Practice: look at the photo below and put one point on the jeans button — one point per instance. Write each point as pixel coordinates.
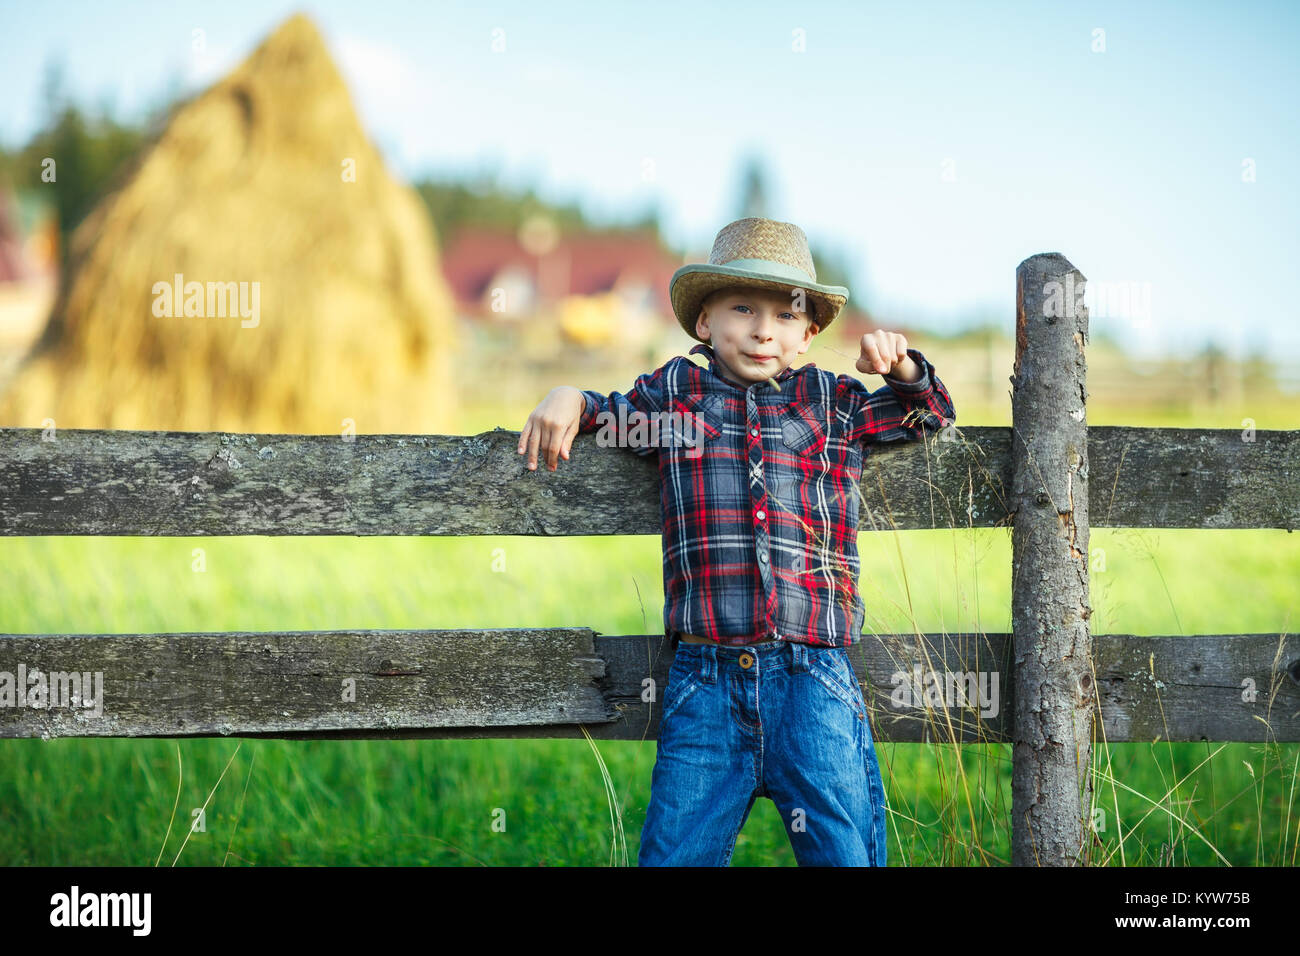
(746, 661)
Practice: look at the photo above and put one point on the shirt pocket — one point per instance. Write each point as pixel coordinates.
(803, 429)
(694, 421)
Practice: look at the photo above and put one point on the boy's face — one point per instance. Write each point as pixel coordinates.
(755, 333)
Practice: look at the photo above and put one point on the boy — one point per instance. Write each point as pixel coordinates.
(758, 466)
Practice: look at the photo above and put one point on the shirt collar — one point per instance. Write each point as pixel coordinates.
(707, 351)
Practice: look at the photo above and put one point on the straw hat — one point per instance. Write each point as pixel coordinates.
(761, 253)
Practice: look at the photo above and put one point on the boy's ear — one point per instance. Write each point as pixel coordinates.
(808, 334)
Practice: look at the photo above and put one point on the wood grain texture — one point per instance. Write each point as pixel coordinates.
(1051, 783)
(89, 482)
(208, 684)
(546, 683)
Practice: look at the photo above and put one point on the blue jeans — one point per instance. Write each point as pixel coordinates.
(780, 720)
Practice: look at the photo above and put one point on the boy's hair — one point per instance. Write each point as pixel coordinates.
(810, 309)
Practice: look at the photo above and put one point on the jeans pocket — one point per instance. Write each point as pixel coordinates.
(831, 668)
(683, 681)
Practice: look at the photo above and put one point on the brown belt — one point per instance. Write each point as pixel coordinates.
(696, 639)
(693, 639)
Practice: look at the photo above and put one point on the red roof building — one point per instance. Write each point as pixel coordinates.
(495, 277)
(492, 273)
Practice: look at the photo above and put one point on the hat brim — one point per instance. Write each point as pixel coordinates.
(691, 284)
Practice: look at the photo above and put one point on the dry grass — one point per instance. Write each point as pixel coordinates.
(246, 184)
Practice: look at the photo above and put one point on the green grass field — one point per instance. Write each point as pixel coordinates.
(112, 802)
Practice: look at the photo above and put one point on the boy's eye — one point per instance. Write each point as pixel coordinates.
(783, 314)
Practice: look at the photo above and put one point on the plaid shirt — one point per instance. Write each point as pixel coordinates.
(758, 490)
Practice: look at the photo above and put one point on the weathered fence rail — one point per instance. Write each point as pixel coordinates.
(88, 482)
(1049, 478)
(545, 682)
(453, 683)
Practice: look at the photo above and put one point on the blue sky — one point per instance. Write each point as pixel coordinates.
(933, 145)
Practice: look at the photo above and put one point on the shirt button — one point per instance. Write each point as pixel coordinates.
(760, 515)
(754, 432)
(762, 557)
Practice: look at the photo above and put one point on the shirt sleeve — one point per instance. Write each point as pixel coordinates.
(899, 410)
(618, 412)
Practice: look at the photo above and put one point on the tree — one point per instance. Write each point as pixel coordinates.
(74, 158)
(753, 189)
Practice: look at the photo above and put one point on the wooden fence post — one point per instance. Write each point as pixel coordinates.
(1051, 784)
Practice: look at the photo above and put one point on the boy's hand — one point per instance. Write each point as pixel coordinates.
(885, 353)
(552, 425)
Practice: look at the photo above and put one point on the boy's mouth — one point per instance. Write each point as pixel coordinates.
(759, 358)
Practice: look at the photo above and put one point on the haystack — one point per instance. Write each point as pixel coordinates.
(265, 185)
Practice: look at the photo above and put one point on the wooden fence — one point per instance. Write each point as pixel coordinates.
(1048, 478)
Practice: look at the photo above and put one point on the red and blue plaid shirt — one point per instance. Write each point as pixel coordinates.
(758, 490)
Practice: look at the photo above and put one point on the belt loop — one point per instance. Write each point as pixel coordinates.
(709, 663)
(799, 655)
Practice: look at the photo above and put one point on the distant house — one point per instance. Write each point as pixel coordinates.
(28, 253)
(600, 287)
(493, 275)
(15, 260)
(593, 283)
